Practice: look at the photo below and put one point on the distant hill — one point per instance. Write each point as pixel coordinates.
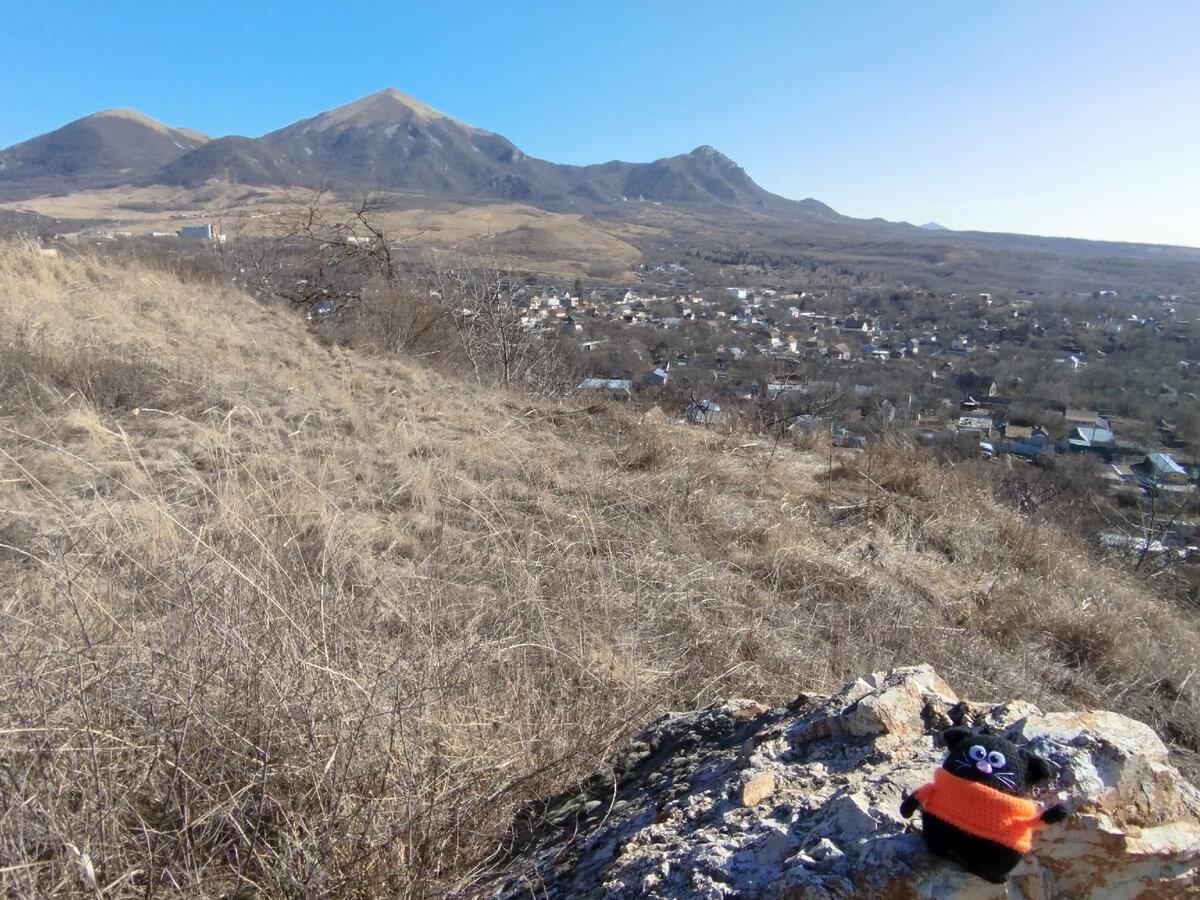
(703, 176)
(237, 160)
(101, 150)
(391, 142)
(386, 140)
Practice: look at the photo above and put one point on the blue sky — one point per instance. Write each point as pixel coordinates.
(1053, 117)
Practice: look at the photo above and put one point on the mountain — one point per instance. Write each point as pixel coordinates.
(386, 140)
(390, 140)
(704, 176)
(101, 150)
(233, 159)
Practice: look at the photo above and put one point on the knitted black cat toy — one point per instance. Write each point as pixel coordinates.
(972, 811)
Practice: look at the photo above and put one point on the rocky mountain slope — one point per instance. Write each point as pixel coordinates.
(738, 800)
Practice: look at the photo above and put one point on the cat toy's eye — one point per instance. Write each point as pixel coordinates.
(996, 759)
(977, 753)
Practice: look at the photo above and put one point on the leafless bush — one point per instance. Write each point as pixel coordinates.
(359, 282)
(499, 338)
(395, 318)
(321, 250)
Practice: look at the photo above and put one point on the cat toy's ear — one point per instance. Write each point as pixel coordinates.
(952, 737)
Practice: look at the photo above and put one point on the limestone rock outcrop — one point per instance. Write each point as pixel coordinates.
(803, 802)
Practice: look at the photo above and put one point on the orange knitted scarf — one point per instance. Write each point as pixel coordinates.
(980, 810)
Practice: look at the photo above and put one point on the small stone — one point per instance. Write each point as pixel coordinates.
(895, 710)
(848, 817)
(748, 712)
(758, 788)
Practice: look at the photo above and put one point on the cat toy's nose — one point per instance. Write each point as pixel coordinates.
(983, 767)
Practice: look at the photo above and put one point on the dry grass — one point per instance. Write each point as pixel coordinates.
(282, 620)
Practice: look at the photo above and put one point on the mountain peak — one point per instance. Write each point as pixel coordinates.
(128, 115)
(108, 118)
(711, 154)
(386, 107)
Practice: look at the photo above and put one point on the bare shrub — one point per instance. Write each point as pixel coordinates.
(396, 318)
(360, 283)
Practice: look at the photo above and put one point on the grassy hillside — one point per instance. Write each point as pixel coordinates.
(283, 620)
